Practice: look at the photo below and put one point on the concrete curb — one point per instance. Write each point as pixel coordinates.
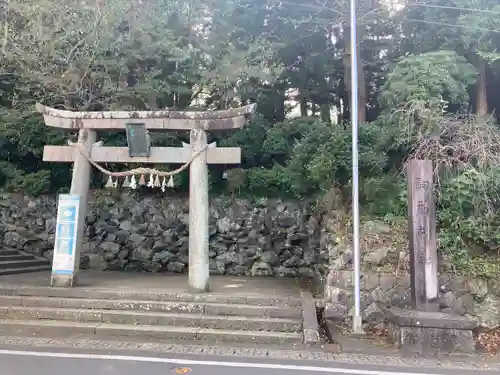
(310, 324)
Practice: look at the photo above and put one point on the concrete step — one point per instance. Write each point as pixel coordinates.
(16, 257)
(147, 295)
(13, 271)
(57, 328)
(23, 263)
(221, 309)
(9, 252)
(196, 320)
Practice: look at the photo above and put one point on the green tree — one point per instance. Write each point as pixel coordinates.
(466, 27)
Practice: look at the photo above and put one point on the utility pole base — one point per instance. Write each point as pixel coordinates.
(357, 326)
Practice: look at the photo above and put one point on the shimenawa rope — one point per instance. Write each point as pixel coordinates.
(136, 171)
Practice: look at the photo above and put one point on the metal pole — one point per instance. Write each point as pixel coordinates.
(357, 324)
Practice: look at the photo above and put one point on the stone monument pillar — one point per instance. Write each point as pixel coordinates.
(423, 329)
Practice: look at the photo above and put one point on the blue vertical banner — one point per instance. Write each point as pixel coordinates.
(66, 232)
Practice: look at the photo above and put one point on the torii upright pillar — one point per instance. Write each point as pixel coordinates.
(198, 123)
(198, 214)
(80, 184)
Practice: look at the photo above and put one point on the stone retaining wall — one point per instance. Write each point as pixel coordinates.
(126, 232)
(476, 299)
(262, 238)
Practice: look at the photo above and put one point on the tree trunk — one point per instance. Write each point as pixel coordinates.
(4, 23)
(314, 109)
(481, 94)
(152, 101)
(280, 112)
(5, 37)
(361, 76)
(325, 113)
(361, 92)
(303, 106)
(344, 105)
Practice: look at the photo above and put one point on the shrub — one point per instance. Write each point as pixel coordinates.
(250, 139)
(15, 180)
(469, 212)
(269, 182)
(324, 157)
(281, 139)
(384, 196)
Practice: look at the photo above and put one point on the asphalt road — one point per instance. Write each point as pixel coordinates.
(49, 363)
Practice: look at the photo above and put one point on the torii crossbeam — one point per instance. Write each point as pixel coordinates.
(197, 122)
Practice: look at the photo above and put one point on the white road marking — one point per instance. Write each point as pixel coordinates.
(178, 361)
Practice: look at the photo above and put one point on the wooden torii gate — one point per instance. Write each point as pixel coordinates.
(201, 154)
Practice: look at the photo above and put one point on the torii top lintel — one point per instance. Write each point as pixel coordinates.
(153, 120)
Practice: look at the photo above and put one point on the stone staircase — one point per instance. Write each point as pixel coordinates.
(13, 261)
(51, 312)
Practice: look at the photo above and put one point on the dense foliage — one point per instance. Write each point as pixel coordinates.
(428, 86)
